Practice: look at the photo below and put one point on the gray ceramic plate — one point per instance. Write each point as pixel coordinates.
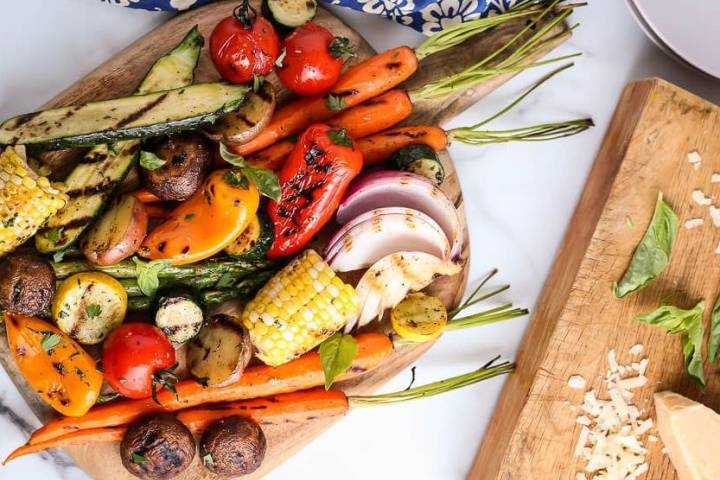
(687, 30)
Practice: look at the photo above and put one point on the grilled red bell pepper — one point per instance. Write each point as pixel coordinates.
(313, 180)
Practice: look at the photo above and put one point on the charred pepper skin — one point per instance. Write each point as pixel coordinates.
(313, 181)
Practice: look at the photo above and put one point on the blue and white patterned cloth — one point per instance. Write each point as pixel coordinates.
(426, 16)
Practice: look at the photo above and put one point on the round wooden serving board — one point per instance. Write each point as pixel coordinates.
(120, 75)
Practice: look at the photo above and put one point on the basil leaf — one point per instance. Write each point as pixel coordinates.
(92, 310)
(688, 324)
(265, 180)
(258, 81)
(138, 459)
(281, 58)
(147, 275)
(231, 158)
(336, 356)
(49, 341)
(340, 137)
(335, 103)
(653, 253)
(714, 340)
(150, 161)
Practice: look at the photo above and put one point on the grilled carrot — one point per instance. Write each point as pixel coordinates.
(371, 116)
(365, 80)
(146, 196)
(294, 407)
(80, 437)
(380, 147)
(301, 373)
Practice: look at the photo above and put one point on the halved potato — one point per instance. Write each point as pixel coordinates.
(118, 233)
(248, 121)
(220, 352)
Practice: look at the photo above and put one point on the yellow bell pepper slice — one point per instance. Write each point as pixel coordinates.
(207, 222)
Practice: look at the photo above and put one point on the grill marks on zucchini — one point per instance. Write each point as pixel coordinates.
(103, 168)
(137, 116)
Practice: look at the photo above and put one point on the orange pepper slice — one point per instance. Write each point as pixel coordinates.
(207, 222)
(59, 370)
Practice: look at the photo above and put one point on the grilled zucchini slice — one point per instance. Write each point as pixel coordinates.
(289, 14)
(136, 116)
(421, 160)
(255, 241)
(419, 318)
(88, 306)
(179, 316)
(220, 352)
(105, 167)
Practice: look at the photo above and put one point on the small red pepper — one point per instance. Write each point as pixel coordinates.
(313, 180)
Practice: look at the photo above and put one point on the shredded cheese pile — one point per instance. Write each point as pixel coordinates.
(610, 441)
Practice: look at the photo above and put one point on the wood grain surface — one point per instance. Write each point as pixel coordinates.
(578, 320)
(120, 75)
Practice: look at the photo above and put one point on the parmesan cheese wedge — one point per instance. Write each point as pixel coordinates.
(689, 431)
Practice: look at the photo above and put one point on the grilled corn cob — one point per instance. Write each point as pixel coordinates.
(26, 200)
(302, 305)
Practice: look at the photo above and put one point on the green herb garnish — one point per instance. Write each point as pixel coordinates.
(147, 275)
(688, 324)
(336, 356)
(138, 459)
(49, 341)
(54, 234)
(340, 137)
(93, 310)
(265, 180)
(335, 102)
(340, 47)
(150, 161)
(208, 459)
(653, 253)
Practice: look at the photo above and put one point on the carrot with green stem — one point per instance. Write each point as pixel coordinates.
(385, 71)
(515, 55)
(371, 116)
(304, 372)
(295, 407)
(378, 147)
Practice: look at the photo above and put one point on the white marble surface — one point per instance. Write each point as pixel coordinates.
(519, 198)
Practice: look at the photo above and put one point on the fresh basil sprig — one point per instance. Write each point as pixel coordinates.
(714, 340)
(265, 180)
(336, 356)
(688, 324)
(147, 275)
(653, 253)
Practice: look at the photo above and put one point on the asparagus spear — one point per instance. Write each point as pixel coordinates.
(126, 268)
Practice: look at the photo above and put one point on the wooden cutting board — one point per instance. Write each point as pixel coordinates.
(120, 75)
(578, 320)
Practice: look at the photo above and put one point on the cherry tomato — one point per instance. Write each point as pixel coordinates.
(313, 60)
(244, 45)
(133, 355)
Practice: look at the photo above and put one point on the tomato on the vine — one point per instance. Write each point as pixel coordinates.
(137, 358)
(313, 60)
(244, 45)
